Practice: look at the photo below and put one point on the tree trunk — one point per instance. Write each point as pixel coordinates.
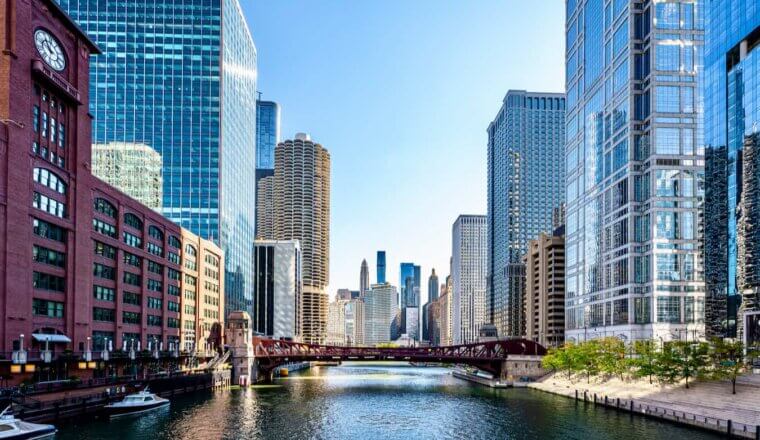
(733, 385)
(687, 382)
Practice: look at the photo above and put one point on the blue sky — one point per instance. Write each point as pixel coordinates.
(401, 94)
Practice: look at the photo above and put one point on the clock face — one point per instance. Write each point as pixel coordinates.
(49, 49)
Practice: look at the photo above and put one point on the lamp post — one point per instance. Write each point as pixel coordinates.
(88, 352)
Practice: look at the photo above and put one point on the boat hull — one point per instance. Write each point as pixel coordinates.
(35, 435)
(124, 411)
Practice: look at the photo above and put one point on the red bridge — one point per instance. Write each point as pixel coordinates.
(506, 359)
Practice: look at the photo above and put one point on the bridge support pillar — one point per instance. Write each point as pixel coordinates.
(518, 367)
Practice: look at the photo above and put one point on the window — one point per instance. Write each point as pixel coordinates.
(130, 318)
(133, 221)
(132, 240)
(172, 323)
(155, 285)
(48, 230)
(51, 309)
(667, 267)
(190, 250)
(101, 340)
(642, 310)
(155, 267)
(45, 281)
(189, 280)
(175, 242)
(105, 207)
(667, 141)
(104, 228)
(105, 250)
(172, 306)
(173, 290)
(102, 293)
(131, 259)
(51, 206)
(173, 274)
(132, 279)
(190, 310)
(48, 256)
(155, 303)
(132, 298)
(668, 56)
(155, 321)
(173, 257)
(669, 309)
(667, 15)
(155, 249)
(103, 271)
(47, 178)
(668, 100)
(156, 233)
(101, 314)
(36, 118)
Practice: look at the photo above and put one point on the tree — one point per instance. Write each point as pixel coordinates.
(611, 357)
(666, 364)
(645, 360)
(587, 358)
(728, 360)
(691, 359)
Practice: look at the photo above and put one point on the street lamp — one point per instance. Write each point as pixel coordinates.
(88, 353)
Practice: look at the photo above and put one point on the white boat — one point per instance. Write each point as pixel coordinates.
(137, 403)
(12, 428)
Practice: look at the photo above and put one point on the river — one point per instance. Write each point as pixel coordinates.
(378, 401)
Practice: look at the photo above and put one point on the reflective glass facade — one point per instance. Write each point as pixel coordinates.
(635, 169)
(732, 116)
(168, 71)
(267, 133)
(525, 183)
(380, 267)
(409, 282)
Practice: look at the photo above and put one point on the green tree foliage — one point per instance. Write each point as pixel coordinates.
(611, 357)
(728, 360)
(644, 361)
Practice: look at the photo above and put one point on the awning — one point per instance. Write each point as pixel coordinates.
(41, 337)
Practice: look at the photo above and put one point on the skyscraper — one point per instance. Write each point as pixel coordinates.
(267, 137)
(634, 169)
(732, 196)
(168, 72)
(377, 312)
(469, 268)
(302, 212)
(432, 286)
(133, 168)
(277, 288)
(380, 267)
(525, 183)
(409, 282)
(363, 278)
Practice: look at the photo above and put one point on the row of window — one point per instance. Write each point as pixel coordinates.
(48, 256)
(46, 204)
(109, 315)
(51, 309)
(106, 208)
(47, 178)
(49, 231)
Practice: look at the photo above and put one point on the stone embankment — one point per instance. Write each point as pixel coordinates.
(706, 405)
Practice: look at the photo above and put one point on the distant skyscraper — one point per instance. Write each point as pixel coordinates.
(525, 182)
(732, 166)
(363, 278)
(336, 323)
(634, 174)
(380, 267)
(432, 286)
(302, 212)
(377, 312)
(344, 294)
(354, 313)
(470, 258)
(410, 285)
(133, 168)
(267, 138)
(277, 288)
(168, 72)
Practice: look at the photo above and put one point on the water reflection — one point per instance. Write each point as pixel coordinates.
(369, 401)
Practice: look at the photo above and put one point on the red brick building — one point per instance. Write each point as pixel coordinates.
(81, 263)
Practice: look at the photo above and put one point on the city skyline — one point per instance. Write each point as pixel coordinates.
(432, 162)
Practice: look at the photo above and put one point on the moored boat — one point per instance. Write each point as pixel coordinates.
(137, 403)
(12, 428)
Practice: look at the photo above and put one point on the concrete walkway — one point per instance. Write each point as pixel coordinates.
(704, 399)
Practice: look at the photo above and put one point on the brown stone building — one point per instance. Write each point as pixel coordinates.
(545, 289)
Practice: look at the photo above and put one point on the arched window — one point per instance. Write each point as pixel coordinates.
(47, 178)
(190, 250)
(175, 242)
(103, 206)
(133, 221)
(155, 233)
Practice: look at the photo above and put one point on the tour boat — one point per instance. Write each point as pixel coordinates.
(136, 403)
(12, 428)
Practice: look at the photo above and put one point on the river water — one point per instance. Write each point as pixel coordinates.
(378, 401)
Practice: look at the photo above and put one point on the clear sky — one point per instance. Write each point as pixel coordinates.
(401, 94)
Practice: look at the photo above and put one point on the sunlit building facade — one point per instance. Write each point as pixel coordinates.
(468, 274)
(634, 169)
(134, 168)
(525, 183)
(732, 196)
(168, 72)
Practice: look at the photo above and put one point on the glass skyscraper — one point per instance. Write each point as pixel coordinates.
(525, 184)
(732, 196)
(380, 267)
(267, 133)
(409, 284)
(634, 169)
(168, 72)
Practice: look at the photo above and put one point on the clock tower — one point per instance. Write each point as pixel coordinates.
(44, 146)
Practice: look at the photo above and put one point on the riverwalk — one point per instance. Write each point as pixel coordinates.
(708, 405)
